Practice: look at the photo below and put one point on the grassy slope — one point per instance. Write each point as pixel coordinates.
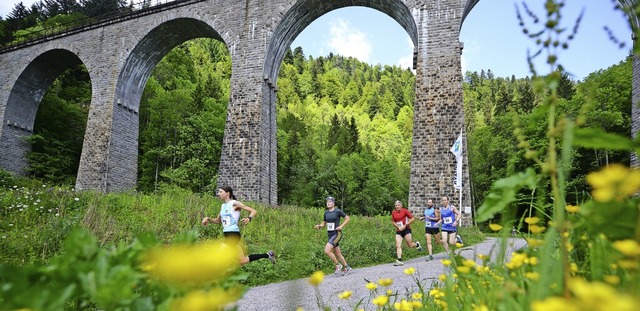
(48, 214)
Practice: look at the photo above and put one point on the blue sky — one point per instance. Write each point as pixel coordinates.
(491, 36)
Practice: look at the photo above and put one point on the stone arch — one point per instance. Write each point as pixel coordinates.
(122, 159)
(294, 21)
(23, 103)
(304, 12)
(150, 50)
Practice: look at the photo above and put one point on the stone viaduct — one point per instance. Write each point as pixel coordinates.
(120, 54)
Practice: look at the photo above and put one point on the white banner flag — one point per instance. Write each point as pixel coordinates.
(457, 151)
(457, 183)
(457, 147)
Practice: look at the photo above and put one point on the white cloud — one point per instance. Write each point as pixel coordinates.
(347, 40)
(407, 60)
(471, 48)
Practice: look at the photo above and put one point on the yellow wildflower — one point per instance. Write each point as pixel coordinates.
(191, 264)
(371, 286)
(612, 279)
(469, 263)
(436, 293)
(417, 304)
(573, 267)
(442, 304)
(389, 292)
(532, 220)
(628, 264)
(446, 262)
(569, 246)
(463, 269)
(554, 304)
(403, 305)
(495, 227)
(385, 282)
(316, 278)
(442, 277)
(300, 309)
(483, 256)
(214, 299)
(416, 296)
(517, 260)
(482, 269)
(572, 208)
(534, 276)
(600, 296)
(532, 261)
(380, 301)
(481, 307)
(535, 229)
(345, 295)
(409, 271)
(534, 242)
(614, 182)
(629, 248)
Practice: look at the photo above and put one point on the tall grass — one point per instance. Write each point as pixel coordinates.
(33, 233)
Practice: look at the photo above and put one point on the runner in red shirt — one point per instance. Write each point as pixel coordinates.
(401, 219)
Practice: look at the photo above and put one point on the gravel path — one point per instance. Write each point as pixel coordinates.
(289, 295)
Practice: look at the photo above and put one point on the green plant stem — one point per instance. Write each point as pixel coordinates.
(552, 163)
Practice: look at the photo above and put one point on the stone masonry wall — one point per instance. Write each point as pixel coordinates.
(438, 109)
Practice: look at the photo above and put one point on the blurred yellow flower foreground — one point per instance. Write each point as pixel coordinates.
(191, 264)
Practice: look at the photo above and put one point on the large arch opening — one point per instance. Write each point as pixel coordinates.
(45, 118)
(344, 126)
(170, 108)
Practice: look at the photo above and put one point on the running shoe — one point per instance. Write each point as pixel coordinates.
(398, 263)
(418, 246)
(338, 269)
(430, 257)
(272, 256)
(346, 271)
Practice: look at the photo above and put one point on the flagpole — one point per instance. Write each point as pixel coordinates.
(461, 174)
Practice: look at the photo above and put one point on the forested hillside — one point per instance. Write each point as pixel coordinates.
(344, 127)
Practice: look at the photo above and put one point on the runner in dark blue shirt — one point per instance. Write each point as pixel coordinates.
(334, 232)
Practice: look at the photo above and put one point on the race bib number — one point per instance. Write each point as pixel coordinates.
(428, 223)
(331, 226)
(399, 224)
(447, 220)
(226, 220)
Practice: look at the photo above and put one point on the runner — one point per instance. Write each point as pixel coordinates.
(402, 219)
(229, 217)
(334, 231)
